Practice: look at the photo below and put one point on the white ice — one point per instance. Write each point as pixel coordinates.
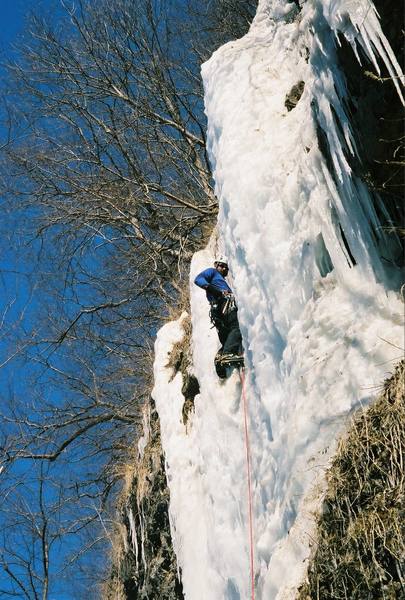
(320, 333)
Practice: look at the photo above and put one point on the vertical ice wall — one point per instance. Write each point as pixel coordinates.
(320, 328)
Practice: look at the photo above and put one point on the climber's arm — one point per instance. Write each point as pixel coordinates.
(203, 280)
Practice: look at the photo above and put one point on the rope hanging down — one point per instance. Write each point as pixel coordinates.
(249, 482)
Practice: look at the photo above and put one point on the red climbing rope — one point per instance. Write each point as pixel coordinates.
(249, 482)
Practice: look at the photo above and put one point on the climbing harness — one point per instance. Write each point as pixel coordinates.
(220, 308)
(249, 482)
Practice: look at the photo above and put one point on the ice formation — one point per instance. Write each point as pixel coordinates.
(320, 324)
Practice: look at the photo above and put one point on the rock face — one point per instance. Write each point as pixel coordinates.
(294, 96)
(147, 566)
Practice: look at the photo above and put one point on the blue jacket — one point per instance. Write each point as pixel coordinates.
(213, 280)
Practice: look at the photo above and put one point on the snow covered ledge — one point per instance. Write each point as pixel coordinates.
(320, 334)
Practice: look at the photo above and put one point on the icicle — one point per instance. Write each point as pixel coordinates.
(360, 25)
(143, 440)
(134, 540)
(142, 532)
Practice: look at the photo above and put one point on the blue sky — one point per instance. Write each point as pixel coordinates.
(13, 287)
(12, 14)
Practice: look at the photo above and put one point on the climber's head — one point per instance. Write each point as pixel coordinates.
(221, 264)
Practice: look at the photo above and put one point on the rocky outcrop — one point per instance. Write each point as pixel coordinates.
(145, 566)
(293, 97)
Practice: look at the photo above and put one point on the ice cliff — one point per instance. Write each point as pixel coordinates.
(319, 307)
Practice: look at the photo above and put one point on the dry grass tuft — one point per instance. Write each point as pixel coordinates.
(113, 590)
(180, 357)
(360, 552)
(180, 360)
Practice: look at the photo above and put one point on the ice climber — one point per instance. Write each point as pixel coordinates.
(223, 311)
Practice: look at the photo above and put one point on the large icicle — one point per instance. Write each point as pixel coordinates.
(320, 328)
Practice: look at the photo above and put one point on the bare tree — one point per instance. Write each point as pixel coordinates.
(37, 513)
(115, 141)
(105, 171)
